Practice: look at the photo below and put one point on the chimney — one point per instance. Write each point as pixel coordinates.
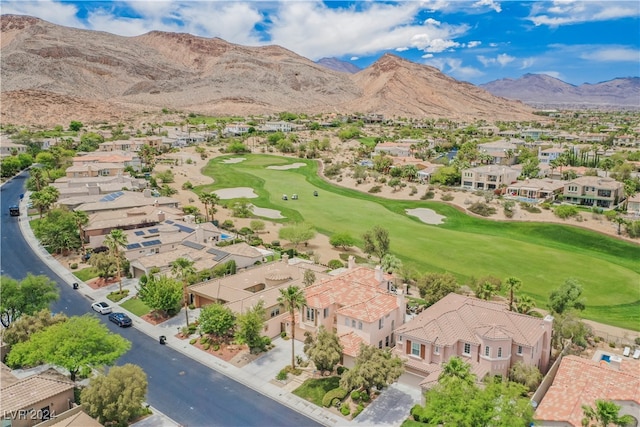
(155, 203)
(199, 234)
(161, 216)
(146, 192)
(285, 258)
(402, 303)
(378, 271)
(351, 262)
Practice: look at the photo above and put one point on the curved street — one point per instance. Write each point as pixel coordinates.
(184, 389)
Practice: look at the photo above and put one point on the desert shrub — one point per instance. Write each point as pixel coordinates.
(73, 266)
(633, 229)
(187, 185)
(530, 208)
(509, 206)
(345, 410)
(355, 395)
(282, 375)
(382, 180)
(333, 170)
(637, 341)
(565, 211)
(375, 189)
(446, 197)
(546, 206)
(205, 340)
(334, 264)
(428, 195)
(192, 341)
(611, 214)
(336, 393)
(482, 209)
(215, 347)
(612, 344)
(359, 409)
(414, 190)
(206, 346)
(275, 243)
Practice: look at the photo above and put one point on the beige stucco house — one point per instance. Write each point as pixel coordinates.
(535, 189)
(594, 191)
(488, 178)
(484, 334)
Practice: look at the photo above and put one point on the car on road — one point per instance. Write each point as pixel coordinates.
(101, 307)
(120, 319)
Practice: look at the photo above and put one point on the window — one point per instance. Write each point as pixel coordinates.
(520, 350)
(311, 314)
(380, 344)
(275, 311)
(326, 313)
(436, 349)
(360, 325)
(415, 348)
(467, 348)
(353, 323)
(499, 351)
(386, 341)
(381, 323)
(486, 350)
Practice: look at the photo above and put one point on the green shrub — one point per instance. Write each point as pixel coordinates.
(275, 243)
(206, 346)
(565, 211)
(637, 341)
(546, 206)
(340, 370)
(334, 264)
(418, 413)
(192, 341)
(365, 397)
(345, 410)
(375, 189)
(359, 409)
(216, 347)
(355, 395)
(117, 296)
(633, 229)
(428, 195)
(446, 197)
(336, 393)
(282, 375)
(74, 266)
(482, 209)
(530, 208)
(205, 340)
(612, 344)
(283, 334)
(414, 190)
(187, 186)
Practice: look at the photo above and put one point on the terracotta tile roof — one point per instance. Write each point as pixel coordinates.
(30, 391)
(357, 293)
(458, 318)
(581, 382)
(351, 343)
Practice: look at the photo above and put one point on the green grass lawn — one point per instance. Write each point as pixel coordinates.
(86, 274)
(313, 390)
(135, 306)
(542, 255)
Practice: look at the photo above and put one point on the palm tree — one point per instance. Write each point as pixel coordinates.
(525, 304)
(293, 300)
(38, 178)
(204, 199)
(485, 291)
(513, 284)
(115, 241)
(81, 218)
(456, 368)
(604, 414)
(183, 268)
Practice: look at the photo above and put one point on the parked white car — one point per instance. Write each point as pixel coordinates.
(101, 307)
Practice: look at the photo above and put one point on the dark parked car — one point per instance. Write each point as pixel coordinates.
(120, 319)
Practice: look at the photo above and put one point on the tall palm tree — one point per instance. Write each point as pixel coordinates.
(81, 218)
(604, 414)
(525, 304)
(115, 241)
(513, 284)
(293, 299)
(183, 268)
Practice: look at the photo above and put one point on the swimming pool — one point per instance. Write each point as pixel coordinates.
(224, 237)
(606, 358)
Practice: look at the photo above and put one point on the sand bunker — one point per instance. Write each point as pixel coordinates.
(235, 193)
(267, 213)
(426, 215)
(285, 167)
(234, 160)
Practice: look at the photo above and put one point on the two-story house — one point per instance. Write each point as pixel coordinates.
(594, 191)
(550, 154)
(488, 178)
(399, 149)
(534, 190)
(484, 334)
(361, 305)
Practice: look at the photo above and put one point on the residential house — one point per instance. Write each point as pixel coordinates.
(534, 190)
(482, 333)
(9, 148)
(550, 154)
(28, 401)
(362, 305)
(95, 169)
(399, 149)
(489, 178)
(131, 145)
(123, 158)
(236, 129)
(594, 191)
(243, 290)
(633, 205)
(582, 381)
(501, 152)
(280, 126)
(95, 185)
(116, 201)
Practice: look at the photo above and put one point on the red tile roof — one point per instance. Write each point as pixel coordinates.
(581, 382)
(351, 343)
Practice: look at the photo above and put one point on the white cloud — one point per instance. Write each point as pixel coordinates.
(501, 59)
(427, 55)
(490, 3)
(56, 13)
(402, 49)
(473, 44)
(454, 67)
(354, 58)
(614, 54)
(566, 12)
(527, 62)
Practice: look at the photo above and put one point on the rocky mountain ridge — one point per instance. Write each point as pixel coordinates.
(52, 74)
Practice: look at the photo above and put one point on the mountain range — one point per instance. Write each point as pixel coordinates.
(52, 74)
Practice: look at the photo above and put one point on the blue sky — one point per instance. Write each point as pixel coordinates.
(475, 41)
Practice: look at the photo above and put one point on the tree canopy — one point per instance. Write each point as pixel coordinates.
(567, 297)
(435, 286)
(377, 242)
(30, 295)
(374, 367)
(80, 342)
(297, 233)
(325, 351)
(342, 240)
(249, 327)
(217, 320)
(163, 294)
(118, 397)
(28, 324)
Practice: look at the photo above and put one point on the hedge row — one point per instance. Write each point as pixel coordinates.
(336, 393)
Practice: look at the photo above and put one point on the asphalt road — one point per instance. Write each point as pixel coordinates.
(183, 389)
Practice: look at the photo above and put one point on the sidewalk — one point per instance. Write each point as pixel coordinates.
(389, 409)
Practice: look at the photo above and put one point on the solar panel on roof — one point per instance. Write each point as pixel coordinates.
(193, 245)
(133, 246)
(139, 233)
(112, 196)
(169, 221)
(154, 230)
(151, 243)
(184, 228)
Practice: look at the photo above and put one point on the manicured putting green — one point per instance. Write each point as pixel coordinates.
(541, 255)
